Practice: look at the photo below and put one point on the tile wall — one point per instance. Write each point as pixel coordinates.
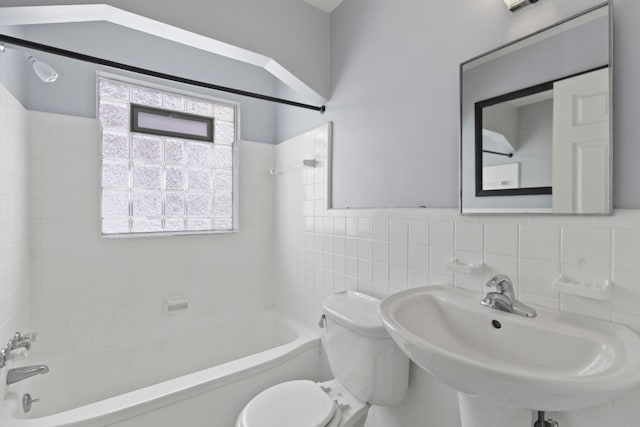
(379, 252)
(87, 290)
(14, 233)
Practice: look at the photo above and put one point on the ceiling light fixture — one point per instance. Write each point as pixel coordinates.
(44, 71)
(514, 5)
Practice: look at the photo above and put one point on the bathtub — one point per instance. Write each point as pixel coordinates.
(190, 376)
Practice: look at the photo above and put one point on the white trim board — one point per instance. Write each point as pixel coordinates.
(33, 15)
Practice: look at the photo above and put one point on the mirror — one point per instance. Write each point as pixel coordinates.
(536, 122)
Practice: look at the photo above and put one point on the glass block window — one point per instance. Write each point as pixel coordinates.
(176, 178)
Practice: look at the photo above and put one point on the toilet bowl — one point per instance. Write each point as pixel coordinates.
(369, 369)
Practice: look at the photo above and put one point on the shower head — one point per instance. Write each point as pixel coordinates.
(44, 71)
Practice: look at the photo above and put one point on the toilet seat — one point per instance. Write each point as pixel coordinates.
(291, 404)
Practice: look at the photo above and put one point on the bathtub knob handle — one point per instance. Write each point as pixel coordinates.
(27, 401)
(322, 322)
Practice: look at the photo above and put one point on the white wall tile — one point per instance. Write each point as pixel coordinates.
(438, 258)
(540, 242)
(418, 232)
(398, 277)
(398, 252)
(626, 249)
(365, 249)
(340, 226)
(626, 292)
(381, 273)
(381, 251)
(586, 246)
(70, 250)
(536, 276)
(473, 282)
(501, 239)
(351, 266)
(365, 228)
(469, 236)
(15, 217)
(417, 278)
(441, 234)
(365, 270)
(340, 264)
(351, 247)
(339, 245)
(625, 410)
(418, 257)
(352, 227)
(381, 229)
(398, 230)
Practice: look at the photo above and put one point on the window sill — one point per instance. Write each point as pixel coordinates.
(164, 234)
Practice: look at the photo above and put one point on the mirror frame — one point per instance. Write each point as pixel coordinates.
(478, 153)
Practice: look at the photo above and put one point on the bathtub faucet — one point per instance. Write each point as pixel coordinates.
(22, 341)
(18, 374)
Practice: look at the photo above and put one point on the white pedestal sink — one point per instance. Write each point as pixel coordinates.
(502, 363)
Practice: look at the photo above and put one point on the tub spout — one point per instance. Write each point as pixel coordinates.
(18, 374)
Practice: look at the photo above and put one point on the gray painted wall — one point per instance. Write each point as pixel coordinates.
(74, 92)
(292, 32)
(13, 68)
(394, 72)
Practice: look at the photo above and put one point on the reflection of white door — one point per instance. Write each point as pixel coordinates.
(581, 146)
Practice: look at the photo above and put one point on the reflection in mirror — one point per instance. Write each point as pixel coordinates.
(515, 133)
(536, 122)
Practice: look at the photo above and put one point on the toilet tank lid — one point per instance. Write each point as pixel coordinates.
(355, 311)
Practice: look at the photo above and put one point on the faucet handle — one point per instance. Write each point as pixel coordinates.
(501, 283)
(21, 341)
(4, 356)
(31, 336)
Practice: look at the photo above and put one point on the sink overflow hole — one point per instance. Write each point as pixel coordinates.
(496, 324)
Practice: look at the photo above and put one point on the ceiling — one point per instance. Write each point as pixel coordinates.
(325, 5)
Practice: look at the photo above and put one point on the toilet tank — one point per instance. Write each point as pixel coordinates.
(362, 355)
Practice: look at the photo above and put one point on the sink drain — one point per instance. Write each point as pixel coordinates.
(496, 324)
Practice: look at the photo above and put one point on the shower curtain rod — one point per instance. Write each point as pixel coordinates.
(105, 62)
(498, 154)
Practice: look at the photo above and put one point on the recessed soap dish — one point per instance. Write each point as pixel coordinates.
(458, 266)
(176, 304)
(597, 291)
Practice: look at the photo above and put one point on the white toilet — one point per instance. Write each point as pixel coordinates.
(369, 369)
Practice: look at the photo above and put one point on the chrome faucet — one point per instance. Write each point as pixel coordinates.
(504, 299)
(18, 374)
(21, 341)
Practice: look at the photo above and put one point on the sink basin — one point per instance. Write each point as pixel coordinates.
(553, 362)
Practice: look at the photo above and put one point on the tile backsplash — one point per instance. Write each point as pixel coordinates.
(381, 251)
(14, 217)
(87, 290)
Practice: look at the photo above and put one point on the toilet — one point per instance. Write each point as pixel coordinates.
(368, 367)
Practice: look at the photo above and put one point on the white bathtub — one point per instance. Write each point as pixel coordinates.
(188, 377)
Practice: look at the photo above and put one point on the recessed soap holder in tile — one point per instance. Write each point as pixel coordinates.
(458, 266)
(597, 291)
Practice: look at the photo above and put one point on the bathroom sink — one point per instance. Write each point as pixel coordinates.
(553, 362)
